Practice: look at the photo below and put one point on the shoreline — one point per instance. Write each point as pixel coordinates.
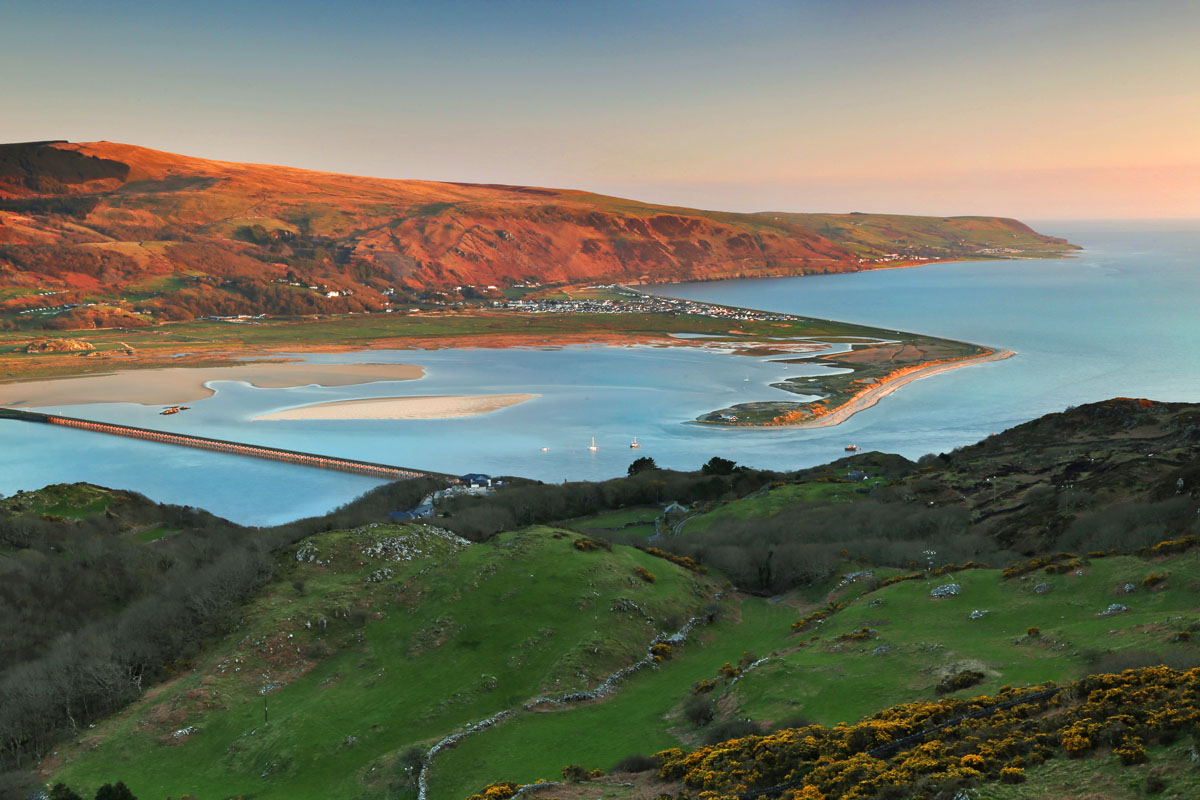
(874, 394)
(411, 407)
(176, 385)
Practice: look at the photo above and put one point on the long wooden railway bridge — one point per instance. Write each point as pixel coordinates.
(387, 471)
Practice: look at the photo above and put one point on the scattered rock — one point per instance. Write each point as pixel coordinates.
(946, 590)
(854, 576)
(1041, 588)
(309, 552)
(380, 575)
(979, 613)
(1115, 608)
(1129, 588)
(883, 648)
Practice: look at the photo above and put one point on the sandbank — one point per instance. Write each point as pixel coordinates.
(430, 407)
(870, 396)
(175, 385)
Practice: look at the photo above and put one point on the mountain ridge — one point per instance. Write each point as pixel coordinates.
(161, 236)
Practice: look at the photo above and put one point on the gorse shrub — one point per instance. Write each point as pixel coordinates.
(635, 763)
(959, 681)
(985, 740)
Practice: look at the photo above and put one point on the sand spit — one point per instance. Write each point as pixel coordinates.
(174, 385)
(873, 395)
(430, 407)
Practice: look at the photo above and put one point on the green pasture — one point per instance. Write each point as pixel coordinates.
(830, 680)
(356, 671)
(772, 502)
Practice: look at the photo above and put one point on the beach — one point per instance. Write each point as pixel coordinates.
(175, 385)
(869, 397)
(431, 407)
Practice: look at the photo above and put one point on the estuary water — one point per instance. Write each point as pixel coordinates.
(1120, 319)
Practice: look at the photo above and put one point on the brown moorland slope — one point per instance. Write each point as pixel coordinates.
(149, 235)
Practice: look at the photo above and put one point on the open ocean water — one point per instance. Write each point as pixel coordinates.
(1122, 318)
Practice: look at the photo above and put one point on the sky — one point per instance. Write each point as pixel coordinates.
(1055, 109)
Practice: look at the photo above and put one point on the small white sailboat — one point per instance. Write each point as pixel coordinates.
(634, 444)
(592, 446)
(545, 449)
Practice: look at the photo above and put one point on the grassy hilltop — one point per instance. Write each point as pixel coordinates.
(1071, 544)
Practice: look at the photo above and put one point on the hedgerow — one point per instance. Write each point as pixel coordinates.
(679, 560)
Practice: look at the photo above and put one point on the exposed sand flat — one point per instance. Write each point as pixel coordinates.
(432, 407)
(174, 385)
(873, 395)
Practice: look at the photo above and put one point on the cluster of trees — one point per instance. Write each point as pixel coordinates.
(75, 207)
(236, 280)
(1129, 526)
(252, 296)
(101, 264)
(109, 791)
(88, 318)
(803, 543)
(522, 503)
(90, 617)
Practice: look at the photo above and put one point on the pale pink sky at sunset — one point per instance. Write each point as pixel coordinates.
(1048, 109)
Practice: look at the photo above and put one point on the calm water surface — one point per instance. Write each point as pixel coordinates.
(1121, 319)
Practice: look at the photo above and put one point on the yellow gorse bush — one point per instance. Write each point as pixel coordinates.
(1122, 709)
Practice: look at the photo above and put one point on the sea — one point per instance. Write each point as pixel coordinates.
(1121, 318)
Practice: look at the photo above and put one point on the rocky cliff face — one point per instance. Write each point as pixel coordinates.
(182, 235)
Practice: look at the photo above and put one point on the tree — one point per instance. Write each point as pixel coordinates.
(643, 464)
(114, 791)
(718, 466)
(61, 791)
(697, 709)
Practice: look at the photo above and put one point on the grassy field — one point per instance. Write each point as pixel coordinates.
(838, 679)
(1105, 778)
(625, 519)
(874, 236)
(355, 666)
(771, 502)
(643, 717)
(70, 500)
(926, 638)
(353, 671)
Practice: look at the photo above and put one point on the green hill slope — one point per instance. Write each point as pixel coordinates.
(459, 634)
(381, 639)
(369, 647)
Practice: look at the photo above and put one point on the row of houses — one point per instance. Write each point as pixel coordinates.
(472, 483)
(637, 304)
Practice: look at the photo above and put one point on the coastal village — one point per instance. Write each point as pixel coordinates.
(634, 302)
